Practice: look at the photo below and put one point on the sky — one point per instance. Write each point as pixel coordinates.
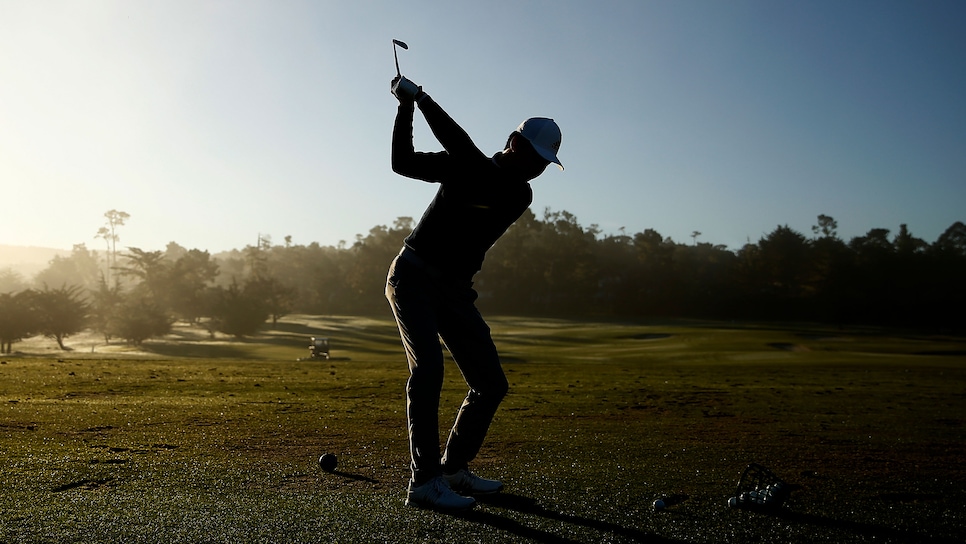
(214, 123)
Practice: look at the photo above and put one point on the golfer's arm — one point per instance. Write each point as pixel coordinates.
(402, 139)
(406, 161)
(454, 139)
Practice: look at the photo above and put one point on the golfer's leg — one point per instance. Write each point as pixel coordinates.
(467, 337)
(412, 306)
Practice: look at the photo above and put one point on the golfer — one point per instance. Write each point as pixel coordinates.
(430, 285)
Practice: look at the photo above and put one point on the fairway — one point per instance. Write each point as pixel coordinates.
(192, 440)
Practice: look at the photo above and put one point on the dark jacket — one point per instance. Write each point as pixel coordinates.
(476, 201)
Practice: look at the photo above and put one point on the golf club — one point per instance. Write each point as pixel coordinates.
(400, 44)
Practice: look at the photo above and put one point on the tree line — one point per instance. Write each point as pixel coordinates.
(542, 266)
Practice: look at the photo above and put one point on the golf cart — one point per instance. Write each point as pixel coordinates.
(319, 348)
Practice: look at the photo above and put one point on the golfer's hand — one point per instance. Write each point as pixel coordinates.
(405, 90)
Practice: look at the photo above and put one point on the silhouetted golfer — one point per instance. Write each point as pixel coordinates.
(430, 285)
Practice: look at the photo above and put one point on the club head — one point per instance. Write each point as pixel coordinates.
(395, 56)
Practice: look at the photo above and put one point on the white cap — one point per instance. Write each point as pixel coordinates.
(544, 135)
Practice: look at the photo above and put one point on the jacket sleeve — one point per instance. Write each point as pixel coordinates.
(454, 139)
(406, 161)
(432, 167)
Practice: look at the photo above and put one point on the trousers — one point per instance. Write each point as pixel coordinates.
(429, 308)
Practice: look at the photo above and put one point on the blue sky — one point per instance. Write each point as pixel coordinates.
(214, 122)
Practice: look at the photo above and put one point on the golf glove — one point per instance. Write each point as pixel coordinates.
(405, 90)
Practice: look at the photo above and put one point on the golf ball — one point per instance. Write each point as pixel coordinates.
(659, 505)
(328, 462)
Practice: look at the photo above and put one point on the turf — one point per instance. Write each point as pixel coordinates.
(195, 441)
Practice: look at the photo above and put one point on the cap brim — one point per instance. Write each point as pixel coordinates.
(548, 155)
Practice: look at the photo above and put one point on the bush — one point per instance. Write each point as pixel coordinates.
(137, 319)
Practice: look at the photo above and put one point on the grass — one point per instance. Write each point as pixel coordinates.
(218, 441)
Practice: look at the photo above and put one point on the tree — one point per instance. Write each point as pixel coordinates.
(138, 318)
(109, 234)
(552, 265)
(873, 245)
(62, 312)
(658, 288)
(947, 289)
(370, 258)
(151, 269)
(830, 265)
(952, 241)
(276, 297)
(618, 271)
(174, 251)
(237, 311)
(18, 318)
(11, 281)
(826, 226)
(105, 303)
(320, 278)
(875, 280)
(784, 254)
(184, 282)
(568, 268)
(509, 283)
(906, 244)
(80, 268)
(257, 256)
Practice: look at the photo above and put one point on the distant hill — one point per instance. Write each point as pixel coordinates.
(28, 260)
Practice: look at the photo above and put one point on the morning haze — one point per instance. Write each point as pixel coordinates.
(547, 265)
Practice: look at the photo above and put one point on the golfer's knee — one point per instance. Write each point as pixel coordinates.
(492, 393)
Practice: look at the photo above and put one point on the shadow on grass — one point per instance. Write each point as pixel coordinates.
(526, 505)
(356, 477)
(858, 528)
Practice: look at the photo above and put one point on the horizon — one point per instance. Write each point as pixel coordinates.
(808, 234)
